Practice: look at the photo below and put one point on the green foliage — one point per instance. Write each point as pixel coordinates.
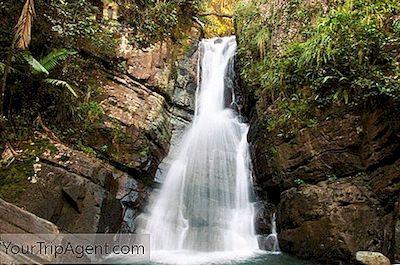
(3, 66)
(86, 149)
(91, 112)
(299, 181)
(56, 82)
(332, 177)
(75, 23)
(37, 67)
(48, 63)
(346, 56)
(14, 180)
(51, 60)
(155, 21)
(289, 115)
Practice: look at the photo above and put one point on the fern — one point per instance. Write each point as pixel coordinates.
(3, 67)
(53, 58)
(37, 68)
(56, 82)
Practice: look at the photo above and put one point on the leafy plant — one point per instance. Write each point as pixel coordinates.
(299, 181)
(48, 63)
(344, 56)
(91, 112)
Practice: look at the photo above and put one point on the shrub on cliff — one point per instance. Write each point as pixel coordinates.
(346, 53)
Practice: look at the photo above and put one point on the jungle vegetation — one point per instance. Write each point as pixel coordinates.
(336, 57)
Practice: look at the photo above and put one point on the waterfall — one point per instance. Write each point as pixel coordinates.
(271, 241)
(203, 208)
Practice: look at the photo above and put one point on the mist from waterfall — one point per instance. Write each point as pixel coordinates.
(203, 211)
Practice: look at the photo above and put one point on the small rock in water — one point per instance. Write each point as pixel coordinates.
(372, 258)
(219, 40)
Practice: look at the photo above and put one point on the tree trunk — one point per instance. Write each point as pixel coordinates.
(5, 75)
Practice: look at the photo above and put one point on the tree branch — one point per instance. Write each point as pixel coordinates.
(215, 14)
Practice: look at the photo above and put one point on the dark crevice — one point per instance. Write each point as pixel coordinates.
(70, 201)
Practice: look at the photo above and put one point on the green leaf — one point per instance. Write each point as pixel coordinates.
(37, 68)
(56, 82)
(56, 56)
(346, 96)
(3, 67)
(326, 78)
(336, 95)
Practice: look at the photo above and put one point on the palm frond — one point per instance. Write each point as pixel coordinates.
(56, 82)
(24, 25)
(37, 68)
(3, 67)
(53, 58)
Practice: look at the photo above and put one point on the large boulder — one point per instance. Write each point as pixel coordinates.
(331, 221)
(14, 220)
(81, 194)
(372, 258)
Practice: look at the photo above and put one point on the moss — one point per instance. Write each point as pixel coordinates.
(144, 147)
(14, 179)
(86, 149)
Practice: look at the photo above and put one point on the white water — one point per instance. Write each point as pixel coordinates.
(272, 238)
(203, 212)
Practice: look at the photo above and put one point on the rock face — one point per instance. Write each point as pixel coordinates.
(327, 220)
(334, 220)
(335, 215)
(312, 155)
(136, 129)
(143, 109)
(81, 194)
(335, 183)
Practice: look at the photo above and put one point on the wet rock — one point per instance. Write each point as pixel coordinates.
(139, 119)
(332, 220)
(385, 183)
(152, 65)
(133, 196)
(372, 258)
(263, 218)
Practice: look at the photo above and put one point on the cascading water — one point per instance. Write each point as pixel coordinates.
(272, 239)
(203, 208)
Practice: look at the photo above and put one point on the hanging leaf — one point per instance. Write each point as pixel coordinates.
(56, 82)
(56, 56)
(37, 68)
(336, 95)
(24, 25)
(346, 96)
(327, 78)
